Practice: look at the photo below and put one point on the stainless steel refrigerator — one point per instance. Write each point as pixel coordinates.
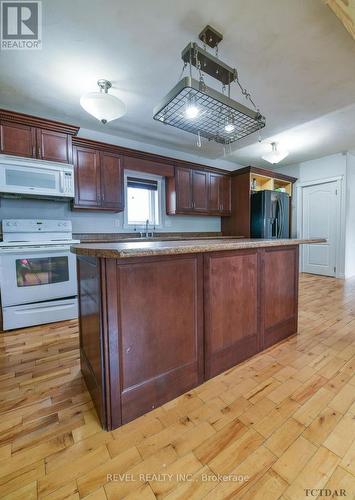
(270, 214)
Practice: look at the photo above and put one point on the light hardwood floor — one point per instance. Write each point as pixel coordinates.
(285, 419)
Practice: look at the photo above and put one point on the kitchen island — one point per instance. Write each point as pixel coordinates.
(158, 318)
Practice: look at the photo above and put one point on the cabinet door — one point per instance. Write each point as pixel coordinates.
(54, 146)
(112, 192)
(200, 191)
(87, 177)
(214, 192)
(161, 332)
(280, 294)
(231, 296)
(225, 195)
(17, 139)
(183, 189)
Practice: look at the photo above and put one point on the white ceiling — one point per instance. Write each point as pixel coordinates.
(294, 56)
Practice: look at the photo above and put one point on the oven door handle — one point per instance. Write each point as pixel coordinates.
(28, 250)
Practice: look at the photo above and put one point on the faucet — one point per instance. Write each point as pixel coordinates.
(146, 228)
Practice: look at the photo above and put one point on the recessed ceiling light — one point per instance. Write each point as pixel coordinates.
(275, 155)
(102, 105)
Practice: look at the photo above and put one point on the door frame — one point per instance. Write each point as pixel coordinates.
(340, 225)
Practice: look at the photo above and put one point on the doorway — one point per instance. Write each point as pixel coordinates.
(321, 218)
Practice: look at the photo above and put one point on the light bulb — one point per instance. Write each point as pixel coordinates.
(229, 128)
(191, 111)
(275, 155)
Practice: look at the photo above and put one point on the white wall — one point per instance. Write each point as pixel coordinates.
(350, 216)
(337, 165)
(95, 222)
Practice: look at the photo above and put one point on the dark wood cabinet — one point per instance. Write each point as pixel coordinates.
(183, 178)
(280, 293)
(225, 186)
(29, 136)
(91, 354)
(161, 331)
(54, 146)
(152, 328)
(112, 182)
(87, 177)
(198, 191)
(219, 194)
(17, 139)
(243, 183)
(231, 304)
(98, 180)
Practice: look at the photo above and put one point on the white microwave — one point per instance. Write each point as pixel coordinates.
(35, 178)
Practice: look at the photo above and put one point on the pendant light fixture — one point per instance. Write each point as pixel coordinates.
(275, 155)
(202, 110)
(102, 105)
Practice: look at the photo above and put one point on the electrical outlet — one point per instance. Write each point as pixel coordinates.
(116, 223)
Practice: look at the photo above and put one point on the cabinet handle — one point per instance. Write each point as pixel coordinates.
(39, 152)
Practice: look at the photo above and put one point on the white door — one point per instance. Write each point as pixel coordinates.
(320, 219)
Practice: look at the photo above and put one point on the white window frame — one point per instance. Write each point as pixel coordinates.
(160, 184)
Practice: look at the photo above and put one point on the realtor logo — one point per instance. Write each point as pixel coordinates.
(21, 25)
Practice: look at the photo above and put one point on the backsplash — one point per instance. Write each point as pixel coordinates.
(95, 222)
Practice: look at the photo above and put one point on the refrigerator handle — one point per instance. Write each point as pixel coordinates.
(281, 217)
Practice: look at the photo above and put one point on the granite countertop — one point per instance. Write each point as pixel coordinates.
(149, 248)
(126, 239)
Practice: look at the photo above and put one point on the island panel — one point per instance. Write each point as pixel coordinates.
(90, 314)
(280, 293)
(232, 316)
(154, 327)
(161, 328)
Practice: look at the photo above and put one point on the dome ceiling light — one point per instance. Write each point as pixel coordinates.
(102, 105)
(202, 110)
(275, 155)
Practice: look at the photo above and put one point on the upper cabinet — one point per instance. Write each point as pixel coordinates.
(197, 191)
(54, 146)
(98, 180)
(244, 182)
(200, 190)
(32, 137)
(112, 182)
(219, 197)
(17, 139)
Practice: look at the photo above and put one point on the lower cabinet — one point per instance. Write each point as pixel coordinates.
(91, 338)
(231, 305)
(280, 292)
(153, 328)
(161, 331)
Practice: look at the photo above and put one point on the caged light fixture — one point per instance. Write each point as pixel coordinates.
(194, 107)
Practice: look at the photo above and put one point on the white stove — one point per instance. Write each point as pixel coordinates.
(37, 272)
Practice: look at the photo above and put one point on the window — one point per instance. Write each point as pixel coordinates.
(143, 200)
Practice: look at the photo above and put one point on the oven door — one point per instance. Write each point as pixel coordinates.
(36, 274)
